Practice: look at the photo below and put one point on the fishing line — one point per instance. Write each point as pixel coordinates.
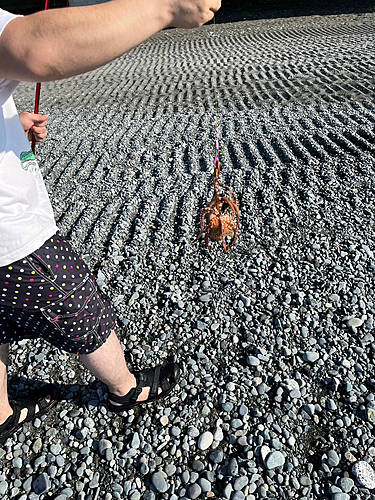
(216, 101)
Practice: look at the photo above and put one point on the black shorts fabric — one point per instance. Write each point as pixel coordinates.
(51, 294)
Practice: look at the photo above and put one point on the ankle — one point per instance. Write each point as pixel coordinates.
(6, 411)
(124, 387)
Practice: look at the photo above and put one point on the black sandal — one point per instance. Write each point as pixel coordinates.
(165, 377)
(12, 423)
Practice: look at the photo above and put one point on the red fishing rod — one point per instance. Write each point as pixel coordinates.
(37, 94)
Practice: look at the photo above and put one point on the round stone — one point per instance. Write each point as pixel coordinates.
(94, 483)
(331, 405)
(333, 458)
(170, 469)
(206, 297)
(253, 361)
(37, 446)
(340, 496)
(264, 451)
(232, 467)
(305, 481)
(159, 482)
(311, 356)
(197, 465)
(68, 492)
(227, 406)
(364, 474)
(346, 484)
(52, 471)
(310, 409)
(201, 325)
(243, 410)
(217, 456)
(236, 423)
(103, 445)
(136, 442)
(41, 484)
(334, 297)
(175, 431)
(55, 449)
(230, 387)
(17, 462)
(193, 431)
(291, 384)
(204, 484)
(218, 434)
(89, 422)
(355, 322)
(262, 389)
(240, 483)
(205, 440)
(144, 469)
(246, 300)
(238, 495)
(135, 495)
(370, 413)
(295, 394)
(194, 491)
(149, 495)
(3, 487)
(274, 459)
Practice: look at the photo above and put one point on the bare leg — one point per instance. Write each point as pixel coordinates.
(108, 364)
(5, 408)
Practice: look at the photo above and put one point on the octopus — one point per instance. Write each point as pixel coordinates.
(220, 219)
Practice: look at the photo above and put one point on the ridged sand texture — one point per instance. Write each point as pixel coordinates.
(296, 117)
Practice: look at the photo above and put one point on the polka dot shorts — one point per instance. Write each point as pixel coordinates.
(51, 294)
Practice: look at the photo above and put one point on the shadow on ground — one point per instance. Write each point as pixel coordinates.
(241, 10)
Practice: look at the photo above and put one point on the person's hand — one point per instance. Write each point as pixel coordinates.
(34, 125)
(193, 13)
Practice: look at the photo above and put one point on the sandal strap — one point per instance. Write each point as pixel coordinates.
(154, 388)
(42, 403)
(171, 373)
(164, 377)
(143, 379)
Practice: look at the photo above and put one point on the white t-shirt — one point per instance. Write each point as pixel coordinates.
(26, 216)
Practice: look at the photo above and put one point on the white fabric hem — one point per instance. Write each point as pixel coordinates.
(33, 245)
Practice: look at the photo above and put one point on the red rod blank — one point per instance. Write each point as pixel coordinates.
(37, 94)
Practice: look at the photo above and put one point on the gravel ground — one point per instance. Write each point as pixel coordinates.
(276, 338)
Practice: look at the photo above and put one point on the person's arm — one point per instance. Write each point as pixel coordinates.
(60, 43)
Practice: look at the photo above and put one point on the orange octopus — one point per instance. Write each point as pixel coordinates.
(220, 219)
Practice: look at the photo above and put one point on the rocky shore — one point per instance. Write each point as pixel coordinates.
(276, 338)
